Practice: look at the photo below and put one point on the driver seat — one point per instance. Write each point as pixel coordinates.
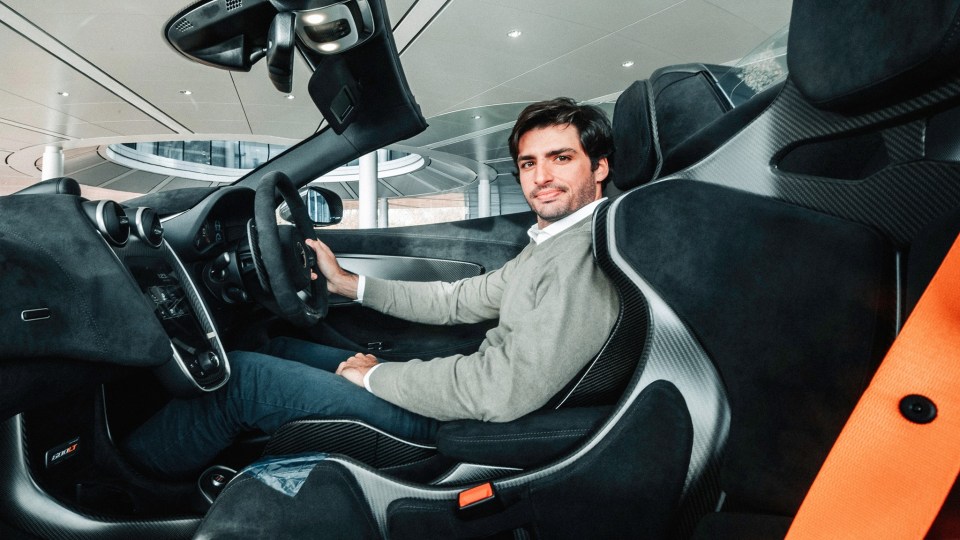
(466, 451)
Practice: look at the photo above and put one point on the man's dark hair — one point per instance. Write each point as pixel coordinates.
(596, 135)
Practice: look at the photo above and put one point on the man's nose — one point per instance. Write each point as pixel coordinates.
(543, 174)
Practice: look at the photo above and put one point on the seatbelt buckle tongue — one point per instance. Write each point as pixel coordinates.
(478, 501)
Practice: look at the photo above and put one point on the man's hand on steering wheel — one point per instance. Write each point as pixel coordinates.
(339, 281)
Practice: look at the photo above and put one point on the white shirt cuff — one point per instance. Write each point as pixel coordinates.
(366, 378)
(361, 283)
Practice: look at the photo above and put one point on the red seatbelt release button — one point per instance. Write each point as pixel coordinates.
(476, 496)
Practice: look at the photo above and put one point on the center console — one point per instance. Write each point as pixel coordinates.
(199, 362)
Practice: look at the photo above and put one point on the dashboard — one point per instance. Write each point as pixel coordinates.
(210, 234)
(215, 224)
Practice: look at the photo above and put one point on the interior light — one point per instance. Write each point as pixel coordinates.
(329, 47)
(63, 94)
(477, 117)
(514, 33)
(628, 63)
(314, 18)
(186, 92)
(290, 96)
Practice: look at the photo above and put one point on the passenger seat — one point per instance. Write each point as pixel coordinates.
(672, 120)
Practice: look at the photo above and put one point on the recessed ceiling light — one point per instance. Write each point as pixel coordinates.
(290, 96)
(63, 94)
(628, 63)
(186, 92)
(477, 117)
(329, 47)
(514, 33)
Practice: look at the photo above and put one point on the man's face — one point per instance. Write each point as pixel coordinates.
(555, 173)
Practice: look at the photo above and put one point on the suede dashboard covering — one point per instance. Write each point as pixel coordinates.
(52, 257)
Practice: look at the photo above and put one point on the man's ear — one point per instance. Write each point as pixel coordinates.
(602, 170)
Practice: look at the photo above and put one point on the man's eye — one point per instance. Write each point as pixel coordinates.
(563, 158)
(526, 164)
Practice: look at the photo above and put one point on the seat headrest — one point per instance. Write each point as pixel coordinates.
(859, 55)
(53, 186)
(686, 98)
(636, 159)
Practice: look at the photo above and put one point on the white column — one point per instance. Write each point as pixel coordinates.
(52, 163)
(483, 196)
(368, 191)
(383, 210)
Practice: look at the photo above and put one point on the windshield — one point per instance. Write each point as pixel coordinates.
(763, 67)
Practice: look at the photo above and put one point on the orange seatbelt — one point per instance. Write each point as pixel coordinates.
(897, 457)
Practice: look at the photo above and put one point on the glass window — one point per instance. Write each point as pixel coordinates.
(145, 147)
(196, 152)
(218, 153)
(253, 154)
(277, 149)
(170, 149)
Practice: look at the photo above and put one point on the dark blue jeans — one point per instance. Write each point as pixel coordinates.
(286, 380)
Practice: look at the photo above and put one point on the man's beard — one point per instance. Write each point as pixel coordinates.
(552, 213)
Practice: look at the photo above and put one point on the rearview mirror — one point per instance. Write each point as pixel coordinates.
(280, 47)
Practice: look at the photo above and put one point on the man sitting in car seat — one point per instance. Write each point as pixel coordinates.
(555, 307)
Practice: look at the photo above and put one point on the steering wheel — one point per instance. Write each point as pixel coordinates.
(282, 258)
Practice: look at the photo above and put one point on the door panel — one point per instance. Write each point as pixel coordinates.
(440, 252)
(488, 242)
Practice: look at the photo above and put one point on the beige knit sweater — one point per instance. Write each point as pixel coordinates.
(556, 309)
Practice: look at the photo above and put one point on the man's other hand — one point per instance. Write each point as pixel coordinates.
(354, 368)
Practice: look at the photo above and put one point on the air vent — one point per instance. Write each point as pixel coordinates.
(233, 4)
(183, 25)
(110, 220)
(148, 226)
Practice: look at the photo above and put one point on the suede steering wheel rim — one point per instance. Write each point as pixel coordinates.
(286, 268)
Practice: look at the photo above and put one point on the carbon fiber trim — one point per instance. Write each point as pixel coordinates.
(905, 143)
(605, 378)
(470, 473)
(347, 437)
(26, 506)
(674, 354)
(899, 200)
(205, 319)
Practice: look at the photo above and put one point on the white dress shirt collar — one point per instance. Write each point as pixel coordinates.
(540, 236)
